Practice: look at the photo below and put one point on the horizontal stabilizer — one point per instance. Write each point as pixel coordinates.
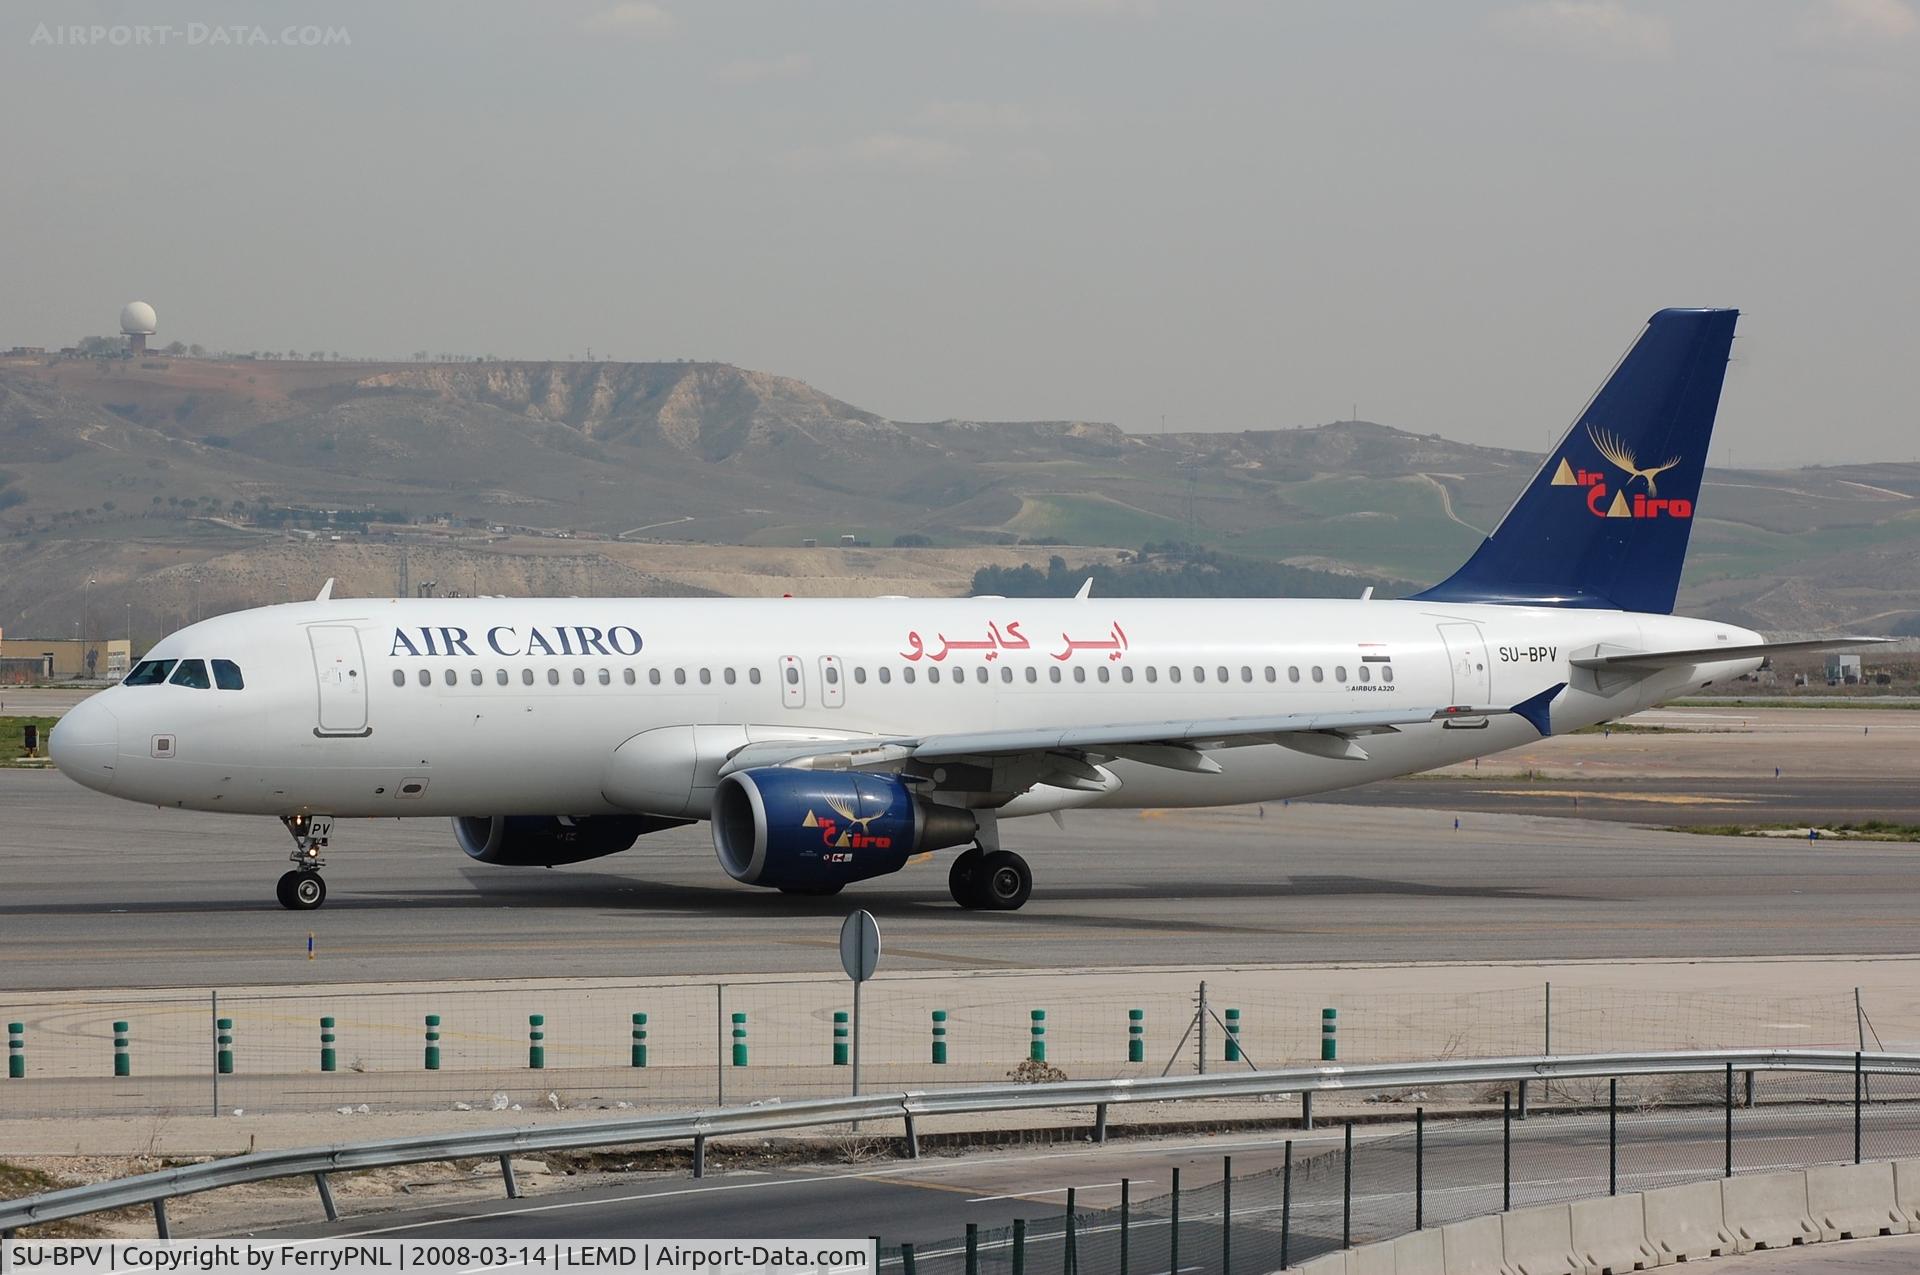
(1714, 654)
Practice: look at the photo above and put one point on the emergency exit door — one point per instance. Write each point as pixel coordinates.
(342, 677)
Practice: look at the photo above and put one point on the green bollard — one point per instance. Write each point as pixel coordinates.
(122, 1060)
(329, 1060)
(1329, 1047)
(940, 1037)
(432, 1060)
(740, 1040)
(839, 1037)
(1233, 1035)
(1136, 1035)
(224, 1060)
(639, 1040)
(536, 1038)
(1037, 1050)
(16, 1051)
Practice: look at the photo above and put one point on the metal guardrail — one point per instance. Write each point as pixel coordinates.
(907, 1106)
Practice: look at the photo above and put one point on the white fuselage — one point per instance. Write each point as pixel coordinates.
(495, 706)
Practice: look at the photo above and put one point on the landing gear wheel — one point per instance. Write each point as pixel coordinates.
(1005, 882)
(963, 878)
(301, 891)
(813, 891)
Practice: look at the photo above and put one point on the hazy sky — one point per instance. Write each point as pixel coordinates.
(1240, 215)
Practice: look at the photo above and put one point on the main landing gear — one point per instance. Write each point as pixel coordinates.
(990, 880)
(302, 889)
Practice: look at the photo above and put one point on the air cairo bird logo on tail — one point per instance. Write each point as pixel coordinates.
(854, 836)
(1642, 504)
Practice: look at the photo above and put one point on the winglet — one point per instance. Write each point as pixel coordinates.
(1534, 708)
(1086, 591)
(326, 591)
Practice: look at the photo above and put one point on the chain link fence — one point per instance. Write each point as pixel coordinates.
(610, 1043)
(1609, 1137)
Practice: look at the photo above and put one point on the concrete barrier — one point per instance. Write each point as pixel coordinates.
(1473, 1247)
(1854, 1201)
(1688, 1223)
(1334, 1263)
(1768, 1210)
(1420, 1253)
(1610, 1235)
(1906, 1190)
(1372, 1259)
(1539, 1241)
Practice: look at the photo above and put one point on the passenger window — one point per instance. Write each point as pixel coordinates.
(1080, 673)
(1339, 672)
(627, 676)
(1153, 673)
(452, 677)
(579, 677)
(192, 673)
(526, 677)
(726, 675)
(1106, 674)
(500, 677)
(753, 675)
(980, 674)
(680, 676)
(1270, 674)
(906, 675)
(793, 676)
(553, 677)
(1318, 676)
(606, 677)
(706, 677)
(1053, 674)
(1366, 674)
(1386, 673)
(1293, 672)
(154, 672)
(833, 676)
(1126, 673)
(477, 677)
(1246, 674)
(1222, 672)
(399, 677)
(933, 675)
(653, 677)
(226, 676)
(1173, 672)
(1033, 674)
(1006, 672)
(426, 678)
(859, 676)
(885, 674)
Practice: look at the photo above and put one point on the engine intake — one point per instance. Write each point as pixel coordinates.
(818, 830)
(547, 841)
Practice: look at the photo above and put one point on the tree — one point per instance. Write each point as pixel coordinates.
(197, 351)
(174, 348)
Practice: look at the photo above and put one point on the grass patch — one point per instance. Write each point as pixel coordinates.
(12, 729)
(17, 1181)
(1865, 830)
(1632, 728)
(1828, 700)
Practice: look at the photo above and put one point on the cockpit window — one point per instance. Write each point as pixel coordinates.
(226, 676)
(192, 673)
(149, 673)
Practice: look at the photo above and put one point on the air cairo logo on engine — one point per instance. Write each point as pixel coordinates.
(853, 836)
(1646, 504)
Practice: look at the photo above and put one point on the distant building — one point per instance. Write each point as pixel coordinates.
(72, 657)
(1843, 669)
(26, 351)
(25, 671)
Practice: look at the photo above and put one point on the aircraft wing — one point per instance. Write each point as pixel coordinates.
(1711, 654)
(1176, 744)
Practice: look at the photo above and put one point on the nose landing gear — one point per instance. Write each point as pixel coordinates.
(302, 889)
(990, 880)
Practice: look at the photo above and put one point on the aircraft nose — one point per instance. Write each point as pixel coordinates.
(85, 744)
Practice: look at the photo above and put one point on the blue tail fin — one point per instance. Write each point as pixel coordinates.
(1605, 521)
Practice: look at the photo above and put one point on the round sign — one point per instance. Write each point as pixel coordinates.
(860, 946)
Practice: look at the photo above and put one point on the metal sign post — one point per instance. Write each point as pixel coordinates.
(860, 957)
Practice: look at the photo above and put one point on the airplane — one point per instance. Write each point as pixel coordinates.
(831, 741)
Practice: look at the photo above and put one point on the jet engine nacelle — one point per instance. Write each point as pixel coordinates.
(546, 841)
(814, 830)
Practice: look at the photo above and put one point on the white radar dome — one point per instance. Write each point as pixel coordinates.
(138, 319)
